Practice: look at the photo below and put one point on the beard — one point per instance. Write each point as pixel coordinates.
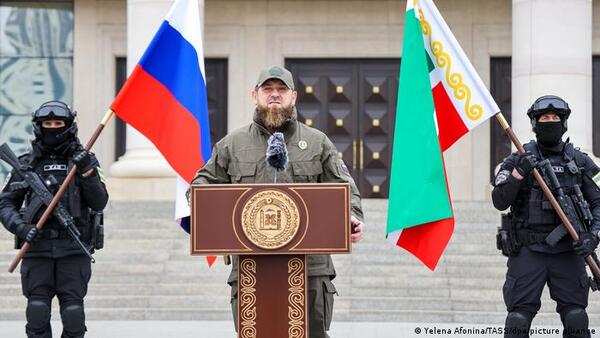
(274, 117)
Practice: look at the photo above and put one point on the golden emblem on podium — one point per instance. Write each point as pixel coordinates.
(270, 219)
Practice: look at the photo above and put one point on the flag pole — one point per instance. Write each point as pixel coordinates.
(60, 192)
(563, 217)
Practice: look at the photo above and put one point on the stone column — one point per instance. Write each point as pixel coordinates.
(142, 172)
(552, 54)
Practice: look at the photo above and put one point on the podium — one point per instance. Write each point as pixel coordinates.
(272, 227)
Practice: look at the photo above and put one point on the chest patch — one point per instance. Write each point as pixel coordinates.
(558, 169)
(55, 167)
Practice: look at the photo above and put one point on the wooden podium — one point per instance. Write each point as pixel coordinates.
(272, 227)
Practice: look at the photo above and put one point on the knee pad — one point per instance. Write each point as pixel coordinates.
(576, 322)
(517, 324)
(38, 315)
(73, 319)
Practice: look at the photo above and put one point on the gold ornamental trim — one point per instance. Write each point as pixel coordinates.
(270, 219)
(247, 298)
(296, 315)
(455, 80)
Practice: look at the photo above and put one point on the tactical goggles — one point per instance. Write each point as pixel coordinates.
(51, 111)
(550, 103)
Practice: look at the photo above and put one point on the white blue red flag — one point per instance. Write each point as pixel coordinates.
(164, 98)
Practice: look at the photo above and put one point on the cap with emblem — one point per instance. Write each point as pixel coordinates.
(276, 72)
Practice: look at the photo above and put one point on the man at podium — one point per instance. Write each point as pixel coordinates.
(309, 157)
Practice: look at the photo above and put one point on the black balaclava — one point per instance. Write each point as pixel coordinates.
(549, 133)
(57, 141)
(54, 137)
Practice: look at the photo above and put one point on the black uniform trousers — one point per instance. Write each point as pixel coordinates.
(42, 278)
(529, 271)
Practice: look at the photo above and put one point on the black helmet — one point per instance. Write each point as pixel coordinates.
(54, 110)
(549, 103)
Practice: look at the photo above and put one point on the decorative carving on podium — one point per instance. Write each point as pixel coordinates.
(270, 219)
(247, 295)
(272, 228)
(296, 300)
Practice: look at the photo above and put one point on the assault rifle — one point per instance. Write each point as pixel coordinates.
(575, 206)
(33, 181)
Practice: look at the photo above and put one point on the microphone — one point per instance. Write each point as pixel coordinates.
(277, 154)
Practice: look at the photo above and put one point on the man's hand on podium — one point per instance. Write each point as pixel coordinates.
(357, 229)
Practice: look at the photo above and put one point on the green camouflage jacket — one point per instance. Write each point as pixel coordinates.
(240, 158)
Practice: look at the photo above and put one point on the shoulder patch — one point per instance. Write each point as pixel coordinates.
(596, 179)
(344, 168)
(502, 177)
(6, 180)
(101, 175)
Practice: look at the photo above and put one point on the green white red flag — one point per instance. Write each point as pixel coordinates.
(440, 99)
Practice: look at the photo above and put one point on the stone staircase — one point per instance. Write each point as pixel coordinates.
(145, 272)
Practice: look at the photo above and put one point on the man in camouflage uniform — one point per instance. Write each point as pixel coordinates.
(240, 158)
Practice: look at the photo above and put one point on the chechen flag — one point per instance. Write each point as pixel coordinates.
(440, 98)
(164, 98)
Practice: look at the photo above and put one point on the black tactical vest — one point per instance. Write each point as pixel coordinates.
(532, 208)
(53, 171)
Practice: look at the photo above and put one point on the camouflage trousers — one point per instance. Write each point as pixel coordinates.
(320, 305)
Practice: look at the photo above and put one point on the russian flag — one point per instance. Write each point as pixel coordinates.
(164, 98)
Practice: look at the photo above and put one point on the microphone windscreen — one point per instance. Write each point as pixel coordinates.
(277, 154)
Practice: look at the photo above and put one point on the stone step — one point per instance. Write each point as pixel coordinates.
(140, 263)
(125, 301)
(391, 266)
(431, 287)
(145, 273)
(144, 313)
(356, 304)
(402, 315)
(146, 289)
(492, 304)
(141, 234)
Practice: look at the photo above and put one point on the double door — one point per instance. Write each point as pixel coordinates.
(354, 103)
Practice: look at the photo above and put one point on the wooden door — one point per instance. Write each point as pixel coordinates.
(353, 101)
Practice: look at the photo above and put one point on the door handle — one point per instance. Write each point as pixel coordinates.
(362, 155)
(353, 154)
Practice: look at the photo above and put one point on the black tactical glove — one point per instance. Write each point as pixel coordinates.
(586, 244)
(526, 163)
(84, 161)
(27, 232)
(594, 284)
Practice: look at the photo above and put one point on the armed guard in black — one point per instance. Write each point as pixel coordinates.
(539, 249)
(58, 262)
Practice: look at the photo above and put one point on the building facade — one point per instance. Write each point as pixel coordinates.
(345, 56)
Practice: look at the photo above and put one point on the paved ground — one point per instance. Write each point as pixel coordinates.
(222, 329)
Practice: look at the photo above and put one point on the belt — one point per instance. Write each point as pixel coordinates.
(527, 237)
(54, 234)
